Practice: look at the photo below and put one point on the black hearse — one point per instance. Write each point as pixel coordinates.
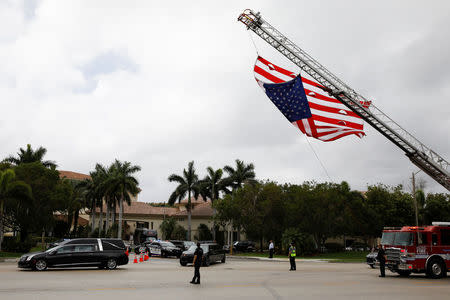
(101, 253)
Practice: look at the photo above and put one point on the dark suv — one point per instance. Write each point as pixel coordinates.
(101, 253)
(212, 252)
(244, 246)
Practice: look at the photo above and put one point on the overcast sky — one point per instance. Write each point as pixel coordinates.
(161, 83)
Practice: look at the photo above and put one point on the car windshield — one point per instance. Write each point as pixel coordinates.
(387, 238)
(403, 239)
(51, 249)
(397, 238)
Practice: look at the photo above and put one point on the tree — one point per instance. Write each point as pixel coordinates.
(211, 187)
(204, 234)
(11, 189)
(187, 184)
(122, 184)
(167, 227)
(90, 198)
(77, 202)
(49, 194)
(179, 233)
(29, 155)
(437, 208)
(99, 176)
(237, 177)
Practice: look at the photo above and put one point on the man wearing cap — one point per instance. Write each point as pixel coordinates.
(292, 255)
(198, 258)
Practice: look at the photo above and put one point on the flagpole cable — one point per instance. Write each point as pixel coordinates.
(317, 156)
(253, 41)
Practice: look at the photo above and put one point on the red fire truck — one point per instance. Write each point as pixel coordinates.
(413, 249)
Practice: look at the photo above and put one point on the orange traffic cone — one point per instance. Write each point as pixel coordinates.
(135, 261)
(141, 258)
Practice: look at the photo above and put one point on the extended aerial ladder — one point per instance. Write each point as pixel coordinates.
(426, 159)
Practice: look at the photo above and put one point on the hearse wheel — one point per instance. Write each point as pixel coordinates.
(436, 268)
(41, 265)
(111, 264)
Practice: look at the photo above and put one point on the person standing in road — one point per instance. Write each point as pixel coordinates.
(198, 259)
(381, 257)
(292, 255)
(271, 249)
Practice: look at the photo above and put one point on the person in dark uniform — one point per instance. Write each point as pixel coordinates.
(198, 259)
(381, 257)
(292, 255)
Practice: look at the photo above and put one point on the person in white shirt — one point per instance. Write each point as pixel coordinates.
(271, 249)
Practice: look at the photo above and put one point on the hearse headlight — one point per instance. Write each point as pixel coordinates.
(29, 257)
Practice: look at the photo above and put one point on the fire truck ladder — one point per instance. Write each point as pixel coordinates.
(422, 156)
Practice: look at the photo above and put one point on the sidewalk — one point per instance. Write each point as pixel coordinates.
(9, 259)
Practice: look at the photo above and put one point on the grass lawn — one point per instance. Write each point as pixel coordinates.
(348, 256)
(9, 254)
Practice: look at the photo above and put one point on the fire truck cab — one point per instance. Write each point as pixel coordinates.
(414, 249)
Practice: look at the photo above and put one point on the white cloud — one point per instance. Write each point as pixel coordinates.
(162, 84)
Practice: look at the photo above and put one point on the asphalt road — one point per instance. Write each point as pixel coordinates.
(236, 279)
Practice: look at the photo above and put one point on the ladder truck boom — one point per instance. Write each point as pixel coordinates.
(422, 156)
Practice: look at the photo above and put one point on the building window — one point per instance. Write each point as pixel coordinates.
(151, 225)
(180, 219)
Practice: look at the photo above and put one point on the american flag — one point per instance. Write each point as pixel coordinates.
(329, 119)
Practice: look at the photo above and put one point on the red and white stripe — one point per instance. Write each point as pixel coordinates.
(330, 119)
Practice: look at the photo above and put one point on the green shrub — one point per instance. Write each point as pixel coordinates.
(61, 229)
(94, 233)
(334, 247)
(13, 244)
(204, 234)
(112, 231)
(304, 243)
(179, 233)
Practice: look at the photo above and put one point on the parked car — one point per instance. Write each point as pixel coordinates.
(159, 248)
(212, 252)
(101, 253)
(183, 245)
(244, 246)
(371, 259)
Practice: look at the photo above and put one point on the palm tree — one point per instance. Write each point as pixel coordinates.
(240, 175)
(99, 176)
(122, 184)
(29, 155)
(75, 204)
(10, 188)
(237, 177)
(187, 184)
(211, 186)
(90, 198)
